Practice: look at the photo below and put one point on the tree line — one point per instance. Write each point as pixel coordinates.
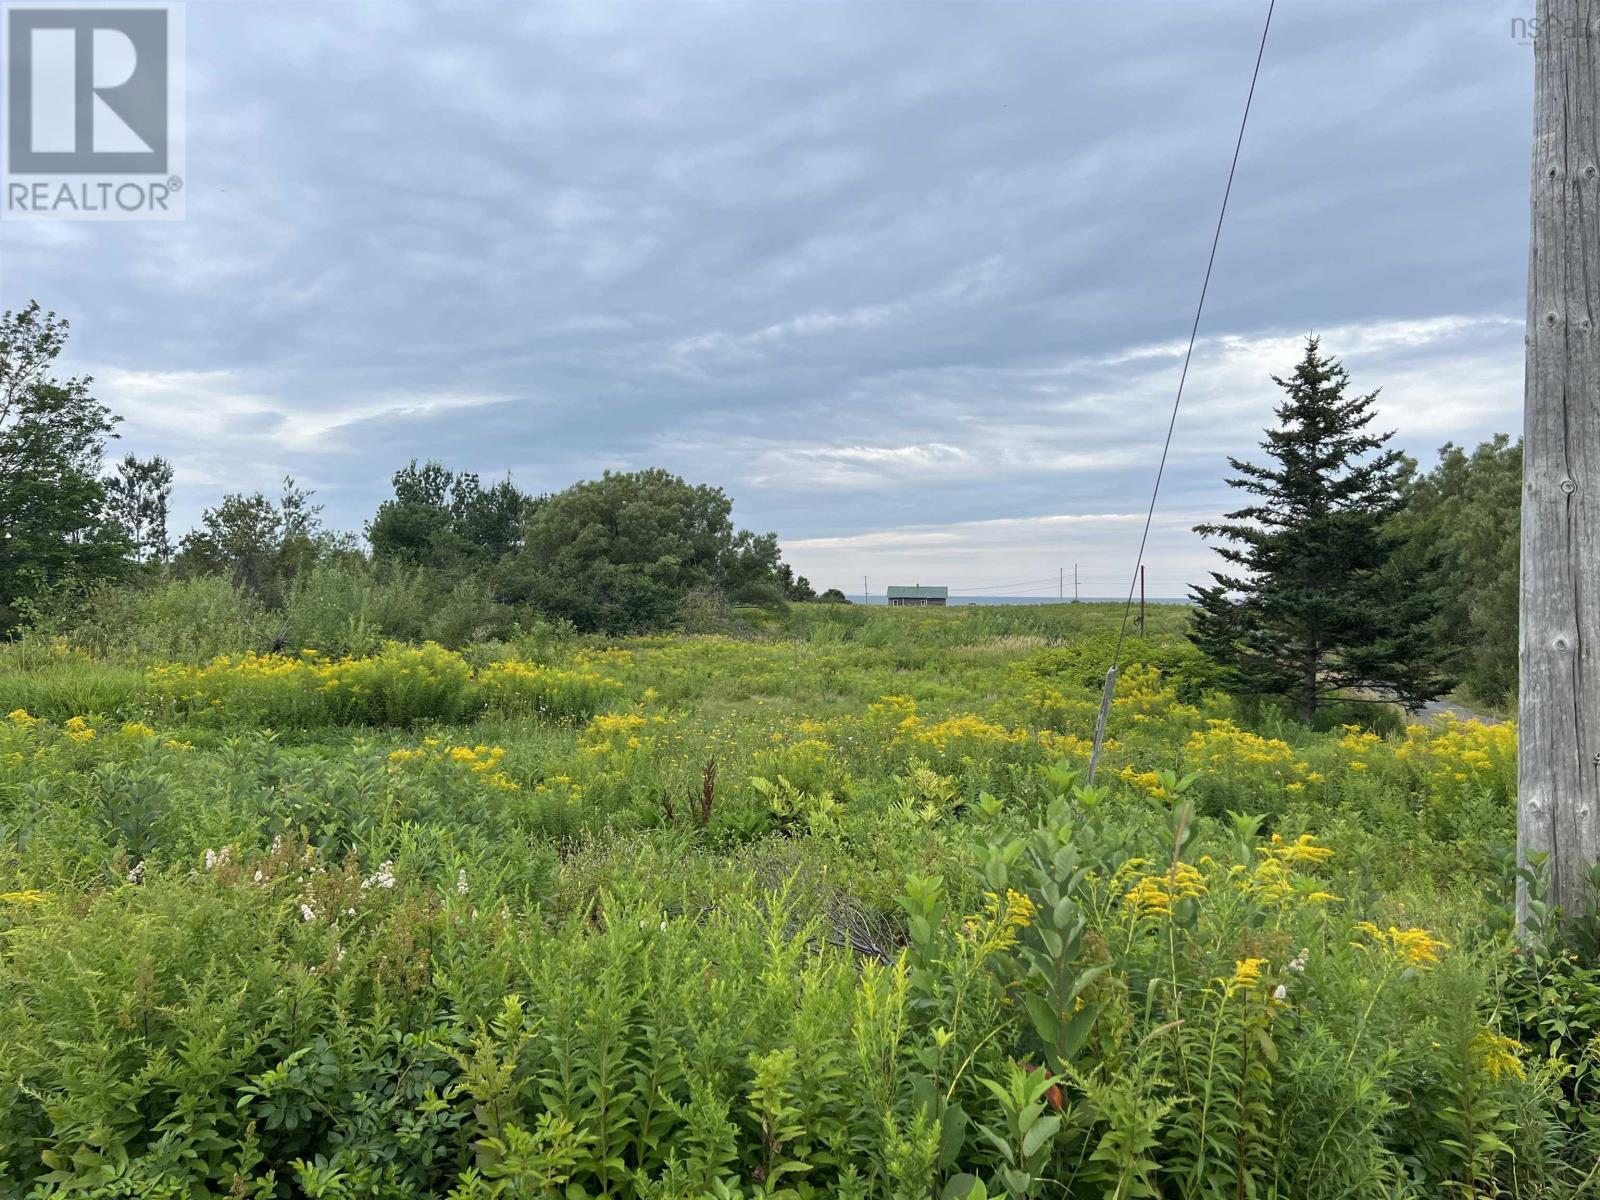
(1350, 571)
(627, 552)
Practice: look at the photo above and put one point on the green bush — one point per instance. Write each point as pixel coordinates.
(174, 620)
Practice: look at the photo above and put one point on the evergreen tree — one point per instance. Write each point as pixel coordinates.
(137, 492)
(1466, 512)
(795, 587)
(1318, 596)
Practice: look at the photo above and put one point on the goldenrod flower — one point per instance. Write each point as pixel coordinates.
(1156, 894)
(1303, 849)
(1246, 974)
(1414, 947)
(1497, 1055)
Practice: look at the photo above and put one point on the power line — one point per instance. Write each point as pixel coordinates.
(1017, 583)
(1177, 400)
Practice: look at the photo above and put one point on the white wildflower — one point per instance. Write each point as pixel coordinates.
(259, 875)
(307, 913)
(211, 860)
(461, 882)
(137, 874)
(1298, 963)
(383, 877)
(1280, 992)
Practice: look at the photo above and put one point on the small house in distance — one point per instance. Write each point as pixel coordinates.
(900, 595)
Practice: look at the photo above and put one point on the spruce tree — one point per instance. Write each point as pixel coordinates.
(1318, 595)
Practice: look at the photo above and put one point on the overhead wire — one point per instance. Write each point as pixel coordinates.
(1177, 401)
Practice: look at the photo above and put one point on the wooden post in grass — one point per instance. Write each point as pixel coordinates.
(1558, 771)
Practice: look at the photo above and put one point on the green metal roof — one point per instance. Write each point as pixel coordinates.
(898, 591)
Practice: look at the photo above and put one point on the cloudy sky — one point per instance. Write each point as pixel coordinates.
(909, 280)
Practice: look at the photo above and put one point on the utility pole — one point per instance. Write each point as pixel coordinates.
(1061, 583)
(1558, 764)
(1074, 583)
(866, 596)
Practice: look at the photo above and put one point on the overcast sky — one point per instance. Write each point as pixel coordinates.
(910, 281)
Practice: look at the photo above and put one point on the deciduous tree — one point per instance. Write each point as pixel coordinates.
(621, 552)
(53, 529)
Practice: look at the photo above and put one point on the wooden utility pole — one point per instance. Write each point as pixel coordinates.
(1558, 764)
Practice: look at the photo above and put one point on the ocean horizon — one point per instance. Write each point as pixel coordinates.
(957, 601)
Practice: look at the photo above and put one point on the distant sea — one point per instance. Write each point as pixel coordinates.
(958, 601)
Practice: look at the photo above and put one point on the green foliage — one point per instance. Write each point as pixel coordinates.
(1317, 597)
(1466, 513)
(181, 620)
(137, 492)
(447, 521)
(816, 917)
(54, 534)
(1084, 662)
(259, 543)
(620, 553)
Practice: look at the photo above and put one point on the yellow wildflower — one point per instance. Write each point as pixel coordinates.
(1303, 849)
(1414, 947)
(1497, 1055)
(1156, 894)
(1246, 974)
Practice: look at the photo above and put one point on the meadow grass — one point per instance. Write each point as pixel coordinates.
(825, 910)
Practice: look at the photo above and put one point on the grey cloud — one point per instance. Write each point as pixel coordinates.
(869, 266)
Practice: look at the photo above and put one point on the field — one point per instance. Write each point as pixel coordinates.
(821, 911)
